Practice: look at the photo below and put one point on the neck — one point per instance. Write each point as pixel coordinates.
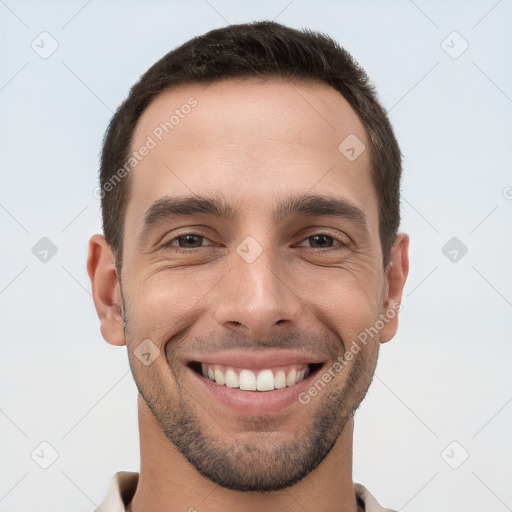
(168, 482)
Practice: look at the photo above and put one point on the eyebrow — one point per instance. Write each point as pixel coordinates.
(170, 208)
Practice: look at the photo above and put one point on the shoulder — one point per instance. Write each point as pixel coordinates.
(370, 503)
(120, 492)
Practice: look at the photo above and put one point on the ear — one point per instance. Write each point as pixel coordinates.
(395, 276)
(106, 290)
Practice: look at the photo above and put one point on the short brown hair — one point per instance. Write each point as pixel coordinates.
(261, 49)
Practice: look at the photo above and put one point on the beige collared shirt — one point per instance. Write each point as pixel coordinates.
(123, 485)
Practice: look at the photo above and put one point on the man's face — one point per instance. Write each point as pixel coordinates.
(264, 288)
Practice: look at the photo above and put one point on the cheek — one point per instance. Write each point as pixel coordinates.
(346, 302)
(165, 300)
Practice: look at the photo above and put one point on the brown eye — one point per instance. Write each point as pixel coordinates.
(320, 241)
(323, 241)
(186, 241)
(189, 240)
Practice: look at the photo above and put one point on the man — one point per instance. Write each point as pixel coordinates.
(252, 265)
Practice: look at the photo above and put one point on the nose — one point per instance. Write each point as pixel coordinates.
(257, 298)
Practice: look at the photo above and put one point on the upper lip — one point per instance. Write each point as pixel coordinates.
(255, 360)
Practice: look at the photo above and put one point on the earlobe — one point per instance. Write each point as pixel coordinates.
(396, 275)
(106, 290)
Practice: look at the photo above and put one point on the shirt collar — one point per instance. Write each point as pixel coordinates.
(123, 484)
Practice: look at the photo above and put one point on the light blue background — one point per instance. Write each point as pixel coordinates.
(445, 377)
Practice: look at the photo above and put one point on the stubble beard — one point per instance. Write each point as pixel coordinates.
(256, 460)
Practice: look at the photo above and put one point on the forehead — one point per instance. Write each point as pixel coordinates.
(250, 140)
(246, 111)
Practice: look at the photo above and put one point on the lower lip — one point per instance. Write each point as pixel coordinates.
(254, 402)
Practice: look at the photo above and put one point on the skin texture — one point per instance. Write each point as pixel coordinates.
(254, 143)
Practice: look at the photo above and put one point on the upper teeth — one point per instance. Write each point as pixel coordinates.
(247, 380)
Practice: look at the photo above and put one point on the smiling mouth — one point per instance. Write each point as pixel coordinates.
(265, 379)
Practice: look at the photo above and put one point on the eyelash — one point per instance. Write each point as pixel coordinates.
(170, 244)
